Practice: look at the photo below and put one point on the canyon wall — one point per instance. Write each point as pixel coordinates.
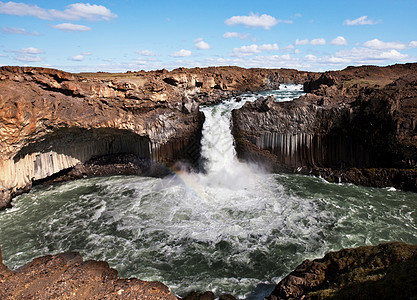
(354, 124)
(52, 121)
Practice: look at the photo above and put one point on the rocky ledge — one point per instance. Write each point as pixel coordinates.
(386, 271)
(67, 276)
(357, 125)
(52, 121)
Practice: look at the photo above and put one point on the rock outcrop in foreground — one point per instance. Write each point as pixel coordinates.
(357, 125)
(67, 276)
(387, 271)
(52, 121)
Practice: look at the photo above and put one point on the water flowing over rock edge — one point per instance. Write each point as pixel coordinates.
(52, 121)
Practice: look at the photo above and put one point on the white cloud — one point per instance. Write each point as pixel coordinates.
(241, 36)
(289, 47)
(318, 42)
(339, 41)
(30, 50)
(301, 42)
(15, 30)
(28, 54)
(145, 52)
(71, 27)
(253, 49)
(268, 47)
(255, 20)
(361, 21)
(80, 57)
(201, 45)
(28, 58)
(366, 55)
(310, 57)
(412, 44)
(246, 50)
(377, 44)
(76, 11)
(181, 53)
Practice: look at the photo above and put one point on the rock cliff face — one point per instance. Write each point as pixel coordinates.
(357, 125)
(52, 121)
(387, 271)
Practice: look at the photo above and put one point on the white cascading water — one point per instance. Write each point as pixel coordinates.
(217, 148)
(231, 229)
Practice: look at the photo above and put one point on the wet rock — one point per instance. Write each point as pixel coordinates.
(68, 276)
(386, 271)
(207, 296)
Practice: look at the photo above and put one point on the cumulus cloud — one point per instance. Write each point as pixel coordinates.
(80, 57)
(366, 55)
(201, 45)
(361, 21)
(242, 36)
(30, 50)
(301, 42)
(246, 50)
(268, 47)
(339, 41)
(253, 49)
(181, 53)
(29, 54)
(28, 58)
(145, 52)
(318, 42)
(255, 20)
(412, 44)
(76, 11)
(310, 57)
(377, 44)
(16, 30)
(71, 27)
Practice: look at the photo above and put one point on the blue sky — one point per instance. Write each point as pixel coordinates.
(117, 36)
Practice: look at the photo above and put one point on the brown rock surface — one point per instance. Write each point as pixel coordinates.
(353, 122)
(67, 276)
(386, 271)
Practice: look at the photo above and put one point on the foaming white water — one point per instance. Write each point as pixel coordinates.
(223, 170)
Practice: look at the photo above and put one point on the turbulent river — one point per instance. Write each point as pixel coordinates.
(232, 229)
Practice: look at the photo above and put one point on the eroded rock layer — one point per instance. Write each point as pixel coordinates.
(357, 125)
(52, 121)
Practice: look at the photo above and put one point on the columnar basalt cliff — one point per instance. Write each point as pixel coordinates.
(52, 121)
(356, 125)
